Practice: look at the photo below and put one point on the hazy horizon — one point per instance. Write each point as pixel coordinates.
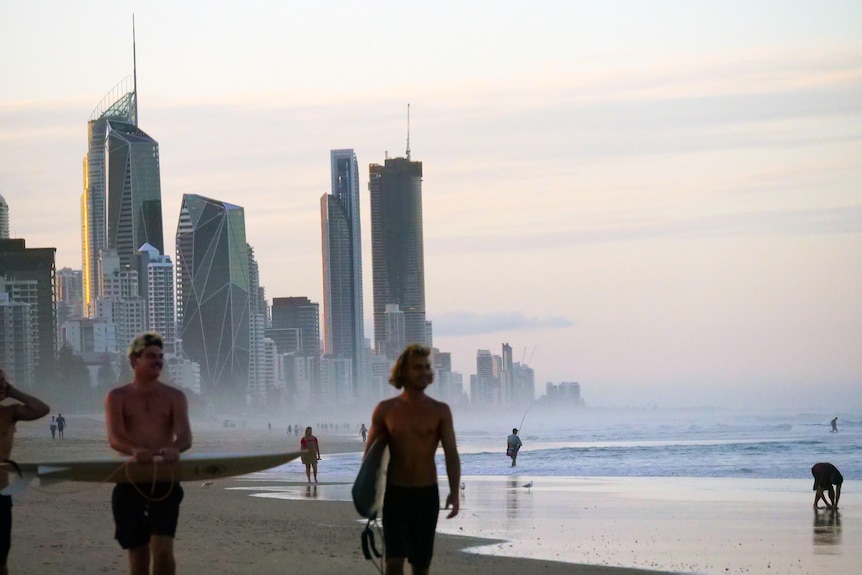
(661, 201)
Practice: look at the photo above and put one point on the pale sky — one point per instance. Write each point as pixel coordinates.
(660, 200)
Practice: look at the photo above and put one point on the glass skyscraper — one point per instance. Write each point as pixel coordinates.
(343, 323)
(134, 194)
(213, 288)
(397, 250)
(120, 104)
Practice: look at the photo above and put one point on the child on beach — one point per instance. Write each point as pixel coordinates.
(414, 425)
(147, 419)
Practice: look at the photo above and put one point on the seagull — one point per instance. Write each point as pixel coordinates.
(463, 486)
(528, 485)
(206, 483)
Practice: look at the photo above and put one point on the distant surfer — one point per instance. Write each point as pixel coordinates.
(513, 445)
(825, 476)
(834, 425)
(414, 425)
(310, 453)
(25, 408)
(147, 419)
(363, 431)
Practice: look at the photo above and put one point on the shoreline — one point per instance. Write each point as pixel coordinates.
(589, 525)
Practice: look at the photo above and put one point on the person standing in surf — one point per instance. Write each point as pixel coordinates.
(834, 425)
(25, 408)
(413, 425)
(148, 419)
(513, 445)
(310, 453)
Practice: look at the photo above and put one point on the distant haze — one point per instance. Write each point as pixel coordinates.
(659, 200)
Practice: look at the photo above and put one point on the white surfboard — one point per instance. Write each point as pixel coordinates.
(369, 487)
(190, 467)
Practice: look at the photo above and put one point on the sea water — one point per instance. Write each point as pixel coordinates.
(648, 443)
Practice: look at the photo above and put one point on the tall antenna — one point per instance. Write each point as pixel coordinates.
(134, 70)
(408, 131)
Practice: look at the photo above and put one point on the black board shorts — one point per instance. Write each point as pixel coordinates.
(5, 527)
(410, 521)
(145, 509)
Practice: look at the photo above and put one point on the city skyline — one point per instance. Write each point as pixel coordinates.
(658, 201)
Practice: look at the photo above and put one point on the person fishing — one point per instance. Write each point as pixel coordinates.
(513, 445)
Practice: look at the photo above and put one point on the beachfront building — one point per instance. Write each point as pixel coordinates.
(28, 276)
(18, 340)
(343, 323)
(212, 287)
(303, 369)
(397, 249)
(156, 276)
(485, 388)
(4, 219)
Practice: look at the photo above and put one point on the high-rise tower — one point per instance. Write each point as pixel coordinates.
(133, 191)
(397, 250)
(4, 219)
(212, 267)
(119, 104)
(343, 324)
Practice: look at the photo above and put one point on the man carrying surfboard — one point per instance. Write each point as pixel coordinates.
(414, 425)
(25, 408)
(147, 419)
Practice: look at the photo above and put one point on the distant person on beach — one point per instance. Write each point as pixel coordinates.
(148, 419)
(61, 424)
(834, 425)
(53, 428)
(311, 453)
(825, 476)
(513, 445)
(363, 431)
(25, 408)
(414, 425)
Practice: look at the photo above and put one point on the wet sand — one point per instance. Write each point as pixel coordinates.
(589, 526)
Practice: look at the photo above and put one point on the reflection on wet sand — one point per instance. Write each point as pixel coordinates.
(311, 491)
(827, 531)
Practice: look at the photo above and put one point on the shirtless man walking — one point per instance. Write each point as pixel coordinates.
(25, 408)
(414, 425)
(148, 419)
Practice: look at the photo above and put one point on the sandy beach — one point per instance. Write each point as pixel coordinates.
(589, 526)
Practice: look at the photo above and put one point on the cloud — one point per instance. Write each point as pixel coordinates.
(467, 323)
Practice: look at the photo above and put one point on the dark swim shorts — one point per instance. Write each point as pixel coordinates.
(5, 527)
(136, 517)
(410, 521)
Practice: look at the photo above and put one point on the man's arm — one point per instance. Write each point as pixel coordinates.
(30, 407)
(182, 428)
(453, 461)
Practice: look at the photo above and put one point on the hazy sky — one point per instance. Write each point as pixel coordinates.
(660, 200)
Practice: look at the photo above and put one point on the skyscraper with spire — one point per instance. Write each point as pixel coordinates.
(343, 324)
(397, 248)
(121, 206)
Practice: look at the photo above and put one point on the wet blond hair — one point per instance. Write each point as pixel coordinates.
(143, 341)
(396, 379)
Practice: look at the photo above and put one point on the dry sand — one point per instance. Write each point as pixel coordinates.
(68, 528)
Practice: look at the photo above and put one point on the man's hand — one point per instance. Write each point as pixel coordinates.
(142, 456)
(452, 500)
(170, 454)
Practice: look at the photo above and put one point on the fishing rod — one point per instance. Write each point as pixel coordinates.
(521, 426)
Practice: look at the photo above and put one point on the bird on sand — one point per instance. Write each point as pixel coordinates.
(528, 485)
(206, 483)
